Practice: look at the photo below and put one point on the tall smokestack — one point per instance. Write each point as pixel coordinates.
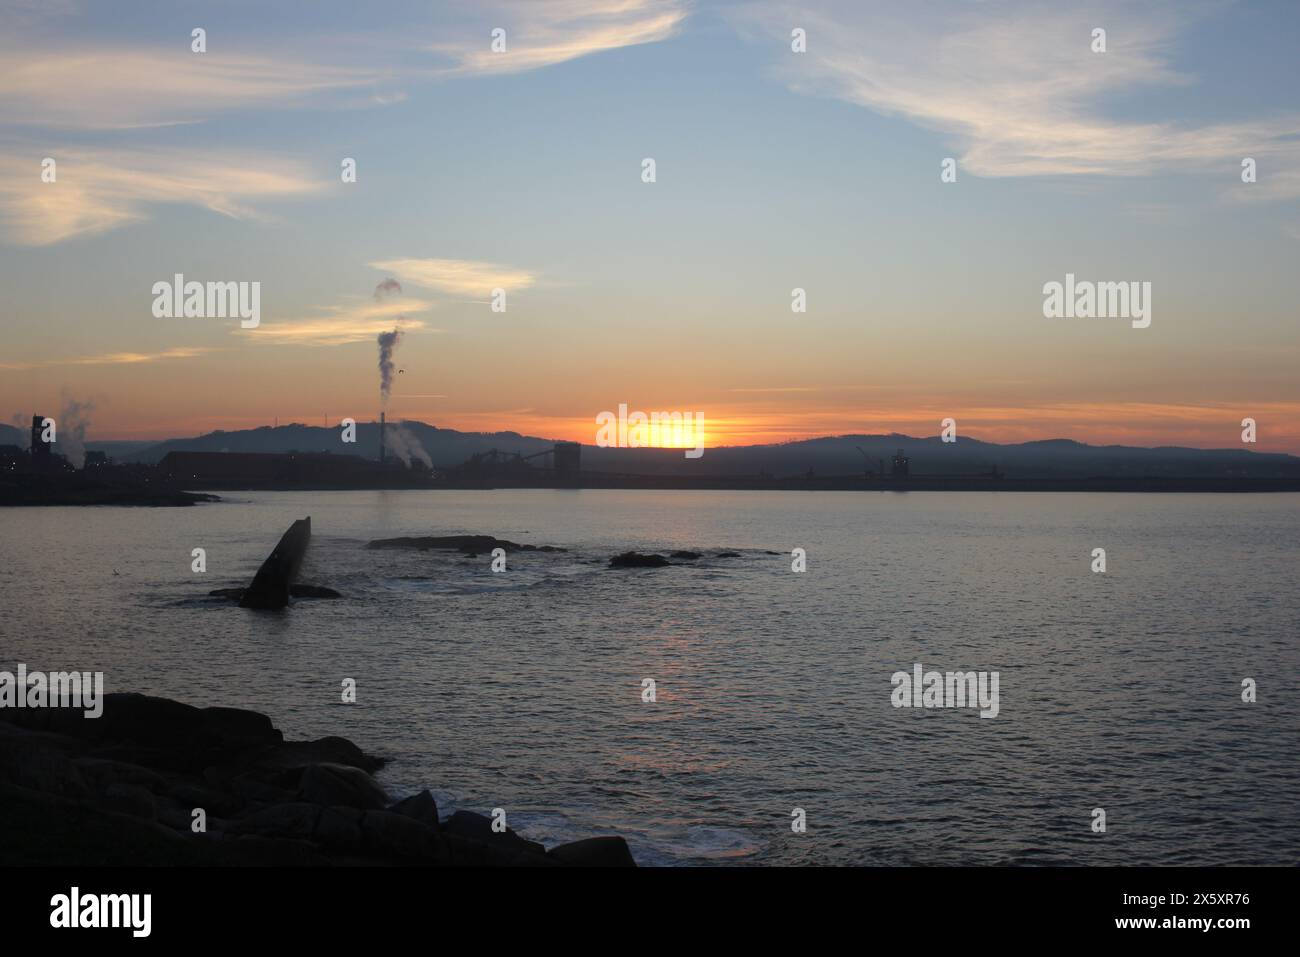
(41, 452)
(382, 437)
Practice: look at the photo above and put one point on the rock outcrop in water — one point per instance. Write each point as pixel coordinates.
(638, 560)
(469, 544)
(123, 789)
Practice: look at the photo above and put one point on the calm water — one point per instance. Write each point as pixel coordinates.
(523, 690)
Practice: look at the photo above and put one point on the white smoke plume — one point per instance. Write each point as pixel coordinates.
(397, 439)
(402, 443)
(73, 420)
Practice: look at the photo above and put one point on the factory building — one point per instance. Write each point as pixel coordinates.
(233, 469)
(567, 458)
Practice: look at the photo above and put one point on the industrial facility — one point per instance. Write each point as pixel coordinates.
(38, 457)
(560, 465)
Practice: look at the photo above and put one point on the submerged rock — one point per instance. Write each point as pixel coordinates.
(728, 554)
(312, 591)
(295, 591)
(691, 556)
(638, 560)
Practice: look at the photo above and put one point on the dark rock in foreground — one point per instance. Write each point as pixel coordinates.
(123, 789)
(340, 785)
(477, 827)
(595, 852)
(422, 807)
(469, 544)
(689, 556)
(637, 560)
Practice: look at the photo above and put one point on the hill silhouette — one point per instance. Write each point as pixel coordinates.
(828, 455)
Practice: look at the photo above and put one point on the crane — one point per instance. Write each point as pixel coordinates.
(866, 471)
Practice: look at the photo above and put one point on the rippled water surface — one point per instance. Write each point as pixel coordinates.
(522, 690)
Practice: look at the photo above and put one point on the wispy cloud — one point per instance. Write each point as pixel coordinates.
(60, 87)
(97, 87)
(90, 86)
(96, 191)
(1014, 85)
(24, 14)
(458, 277)
(358, 320)
(541, 33)
(113, 358)
(779, 389)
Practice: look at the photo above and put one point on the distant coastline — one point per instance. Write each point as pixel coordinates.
(74, 489)
(843, 483)
(414, 455)
(78, 488)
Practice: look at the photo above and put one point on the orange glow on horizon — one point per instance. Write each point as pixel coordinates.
(1139, 424)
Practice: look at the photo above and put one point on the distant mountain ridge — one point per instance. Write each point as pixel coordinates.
(445, 446)
(825, 456)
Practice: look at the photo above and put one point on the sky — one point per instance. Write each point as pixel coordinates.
(775, 170)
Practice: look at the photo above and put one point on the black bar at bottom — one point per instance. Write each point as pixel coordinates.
(944, 906)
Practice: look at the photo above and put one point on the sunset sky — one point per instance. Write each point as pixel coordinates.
(775, 170)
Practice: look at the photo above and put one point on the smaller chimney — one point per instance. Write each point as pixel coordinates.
(383, 436)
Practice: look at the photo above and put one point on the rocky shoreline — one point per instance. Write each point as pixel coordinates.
(127, 788)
